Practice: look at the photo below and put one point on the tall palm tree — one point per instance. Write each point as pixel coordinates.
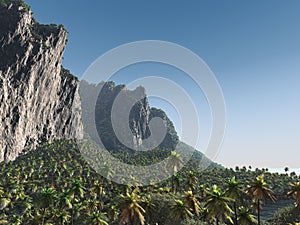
(217, 205)
(177, 180)
(245, 217)
(191, 180)
(174, 161)
(234, 191)
(173, 164)
(295, 192)
(131, 209)
(201, 191)
(259, 191)
(191, 200)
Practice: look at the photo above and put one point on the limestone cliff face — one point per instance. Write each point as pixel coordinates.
(39, 100)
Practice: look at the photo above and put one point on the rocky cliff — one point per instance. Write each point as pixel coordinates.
(39, 100)
(139, 117)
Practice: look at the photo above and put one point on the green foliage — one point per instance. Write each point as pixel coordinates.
(41, 32)
(6, 3)
(65, 73)
(55, 185)
(288, 215)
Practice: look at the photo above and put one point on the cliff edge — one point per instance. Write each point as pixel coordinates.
(39, 100)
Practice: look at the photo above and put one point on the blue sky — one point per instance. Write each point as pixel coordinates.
(253, 48)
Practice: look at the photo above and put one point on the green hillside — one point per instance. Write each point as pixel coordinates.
(54, 185)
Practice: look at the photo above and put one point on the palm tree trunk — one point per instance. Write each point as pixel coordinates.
(258, 212)
(235, 213)
(72, 217)
(43, 218)
(131, 220)
(172, 184)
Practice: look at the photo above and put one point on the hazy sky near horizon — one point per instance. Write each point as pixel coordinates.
(252, 47)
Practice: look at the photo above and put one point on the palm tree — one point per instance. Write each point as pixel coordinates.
(174, 161)
(131, 209)
(201, 191)
(77, 189)
(4, 202)
(295, 192)
(63, 218)
(173, 164)
(46, 200)
(17, 220)
(112, 212)
(24, 205)
(98, 218)
(191, 180)
(149, 207)
(181, 211)
(234, 191)
(191, 200)
(92, 205)
(217, 205)
(245, 217)
(35, 217)
(64, 200)
(98, 189)
(286, 169)
(260, 192)
(1, 191)
(177, 179)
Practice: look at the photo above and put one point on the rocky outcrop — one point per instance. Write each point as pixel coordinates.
(39, 100)
(105, 94)
(171, 138)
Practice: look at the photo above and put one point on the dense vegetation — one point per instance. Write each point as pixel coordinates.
(65, 73)
(288, 215)
(54, 185)
(6, 3)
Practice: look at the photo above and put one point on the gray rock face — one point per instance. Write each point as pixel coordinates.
(39, 100)
(100, 116)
